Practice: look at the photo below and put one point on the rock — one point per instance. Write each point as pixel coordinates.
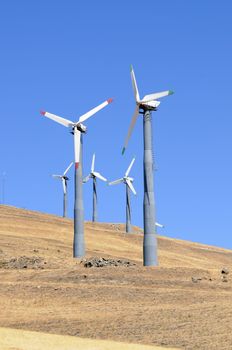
(196, 279)
(224, 279)
(225, 271)
(104, 262)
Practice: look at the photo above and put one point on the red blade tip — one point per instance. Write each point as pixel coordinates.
(42, 112)
(110, 100)
(76, 165)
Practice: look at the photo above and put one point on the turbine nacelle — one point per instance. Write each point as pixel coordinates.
(81, 127)
(153, 105)
(126, 178)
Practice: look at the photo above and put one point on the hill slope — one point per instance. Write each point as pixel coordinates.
(184, 303)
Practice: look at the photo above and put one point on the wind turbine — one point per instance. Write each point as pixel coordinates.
(64, 180)
(77, 128)
(145, 106)
(94, 175)
(129, 187)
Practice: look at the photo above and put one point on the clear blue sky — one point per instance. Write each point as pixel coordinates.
(68, 56)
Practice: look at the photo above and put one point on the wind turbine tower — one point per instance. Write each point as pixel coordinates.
(129, 187)
(145, 106)
(64, 180)
(77, 129)
(94, 175)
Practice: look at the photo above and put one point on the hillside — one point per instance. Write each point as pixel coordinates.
(184, 303)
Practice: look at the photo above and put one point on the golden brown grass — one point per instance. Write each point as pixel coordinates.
(155, 306)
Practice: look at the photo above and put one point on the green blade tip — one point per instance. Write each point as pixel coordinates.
(171, 92)
(131, 67)
(123, 150)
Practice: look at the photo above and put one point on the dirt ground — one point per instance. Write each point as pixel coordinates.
(184, 303)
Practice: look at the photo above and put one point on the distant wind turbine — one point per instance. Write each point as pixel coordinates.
(94, 175)
(129, 187)
(145, 106)
(77, 128)
(64, 180)
(3, 186)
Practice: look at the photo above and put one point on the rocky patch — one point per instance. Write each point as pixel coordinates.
(106, 262)
(23, 262)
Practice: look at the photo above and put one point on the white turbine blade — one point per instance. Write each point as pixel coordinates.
(68, 168)
(63, 183)
(131, 127)
(57, 176)
(129, 183)
(77, 140)
(94, 110)
(116, 182)
(156, 96)
(56, 118)
(129, 168)
(99, 176)
(159, 225)
(134, 84)
(86, 179)
(93, 162)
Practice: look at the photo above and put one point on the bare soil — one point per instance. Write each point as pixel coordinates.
(184, 303)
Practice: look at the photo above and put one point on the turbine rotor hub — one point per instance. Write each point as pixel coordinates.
(80, 127)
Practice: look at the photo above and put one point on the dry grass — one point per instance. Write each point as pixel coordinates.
(13, 339)
(155, 306)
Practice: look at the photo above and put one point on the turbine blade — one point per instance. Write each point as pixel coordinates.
(94, 110)
(93, 162)
(56, 118)
(57, 176)
(134, 84)
(129, 183)
(77, 140)
(99, 176)
(68, 168)
(159, 225)
(130, 166)
(116, 182)
(86, 179)
(131, 127)
(64, 185)
(156, 96)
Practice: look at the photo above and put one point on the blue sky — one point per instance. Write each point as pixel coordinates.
(68, 57)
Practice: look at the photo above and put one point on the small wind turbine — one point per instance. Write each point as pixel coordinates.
(77, 128)
(129, 187)
(94, 175)
(64, 180)
(145, 106)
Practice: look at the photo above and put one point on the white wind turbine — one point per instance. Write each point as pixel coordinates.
(128, 181)
(94, 175)
(77, 128)
(64, 180)
(144, 106)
